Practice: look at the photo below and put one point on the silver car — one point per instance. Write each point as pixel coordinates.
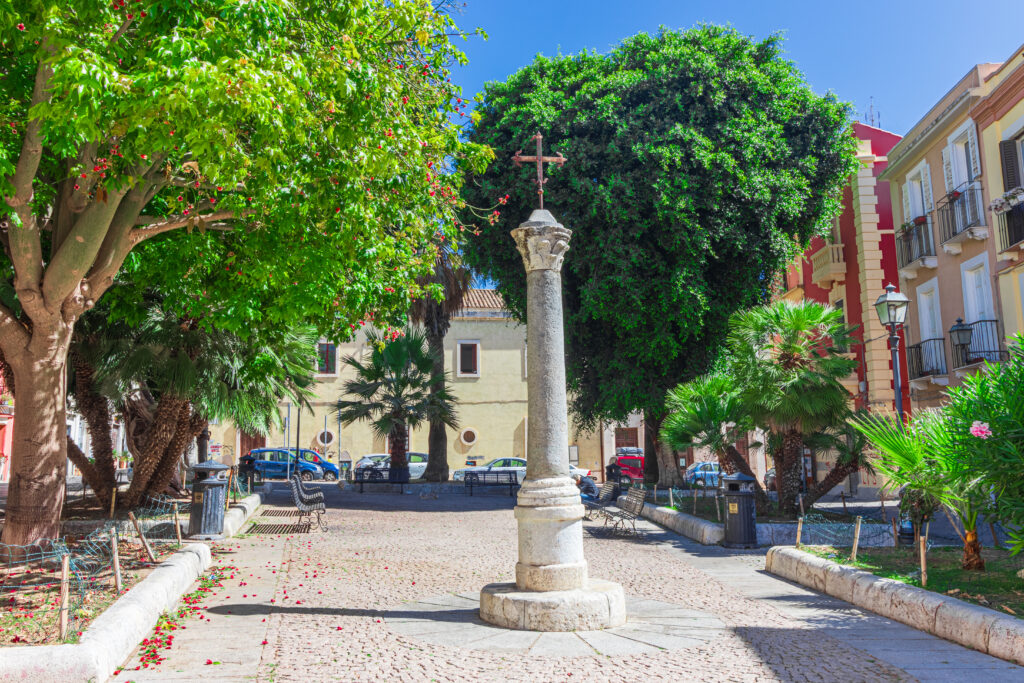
(517, 465)
(417, 462)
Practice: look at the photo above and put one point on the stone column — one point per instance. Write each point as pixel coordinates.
(552, 591)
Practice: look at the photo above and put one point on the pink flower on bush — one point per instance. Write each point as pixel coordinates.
(980, 429)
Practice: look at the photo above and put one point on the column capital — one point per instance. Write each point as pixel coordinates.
(542, 241)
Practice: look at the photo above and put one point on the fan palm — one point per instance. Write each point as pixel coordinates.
(707, 412)
(930, 457)
(851, 449)
(447, 287)
(788, 359)
(396, 390)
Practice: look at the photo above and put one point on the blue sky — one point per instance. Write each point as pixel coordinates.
(904, 53)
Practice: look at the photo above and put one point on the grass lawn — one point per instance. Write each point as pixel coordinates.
(998, 587)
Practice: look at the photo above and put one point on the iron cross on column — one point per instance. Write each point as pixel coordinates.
(540, 160)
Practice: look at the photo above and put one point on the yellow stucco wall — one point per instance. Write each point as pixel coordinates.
(494, 405)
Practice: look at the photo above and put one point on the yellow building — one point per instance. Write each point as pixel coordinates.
(1000, 118)
(485, 356)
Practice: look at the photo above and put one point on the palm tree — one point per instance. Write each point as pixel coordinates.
(396, 390)
(450, 282)
(708, 412)
(851, 449)
(789, 359)
(931, 457)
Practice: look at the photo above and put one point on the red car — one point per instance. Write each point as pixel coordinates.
(631, 460)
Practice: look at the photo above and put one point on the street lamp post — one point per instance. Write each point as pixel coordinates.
(961, 335)
(892, 311)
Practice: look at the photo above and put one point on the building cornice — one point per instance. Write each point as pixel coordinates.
(1003, 97)
(909, 150)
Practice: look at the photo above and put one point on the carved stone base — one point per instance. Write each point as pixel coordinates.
(599, 605)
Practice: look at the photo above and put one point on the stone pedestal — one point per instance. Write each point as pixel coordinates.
(552, 591)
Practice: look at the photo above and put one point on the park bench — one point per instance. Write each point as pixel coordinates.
(475, 479)
(308, 507)
(315, 495)
(626, 512)
(375, 475)
(604, 498)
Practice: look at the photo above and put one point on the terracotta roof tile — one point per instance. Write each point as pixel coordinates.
(483, 298)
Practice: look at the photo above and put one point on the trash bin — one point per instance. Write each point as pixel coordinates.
(741, 513)
(209, 488)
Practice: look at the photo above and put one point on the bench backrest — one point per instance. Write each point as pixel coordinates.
(634, 502)
(606, 492)
(500, 477)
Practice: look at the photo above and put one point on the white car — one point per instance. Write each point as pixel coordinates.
(417, 462)
(517, 465)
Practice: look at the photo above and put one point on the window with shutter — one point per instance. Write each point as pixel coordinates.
(468, 359)
(1009, 157)
(947, 168)
(972, 151)
(926, 187)
(906, 203)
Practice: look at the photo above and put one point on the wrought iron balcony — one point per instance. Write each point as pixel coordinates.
(1011, 229)
(915, 247)
(986, 345)
(828, 265)
(961, 217)
(927, 358)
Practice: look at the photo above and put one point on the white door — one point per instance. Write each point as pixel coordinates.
(928, 315)
(978, 307)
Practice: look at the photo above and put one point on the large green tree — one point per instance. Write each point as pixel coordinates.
(312, 132)
(699, 161)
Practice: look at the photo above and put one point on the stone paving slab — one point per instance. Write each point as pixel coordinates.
(339, 597)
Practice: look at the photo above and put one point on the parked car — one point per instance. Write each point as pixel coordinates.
(276, 463)
(517, 465)
(381, 461)
(631, 460)
(331, 471)
(706, 474)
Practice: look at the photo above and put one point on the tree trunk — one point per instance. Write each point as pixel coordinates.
(165, 423)
(835, 476)
(96, 411)
(397, 447)
(188, 428)
(89, 474)
(791, 472)
(668, 473)
(972, 559)
(437, 441)
(38, 452)
(738, 463)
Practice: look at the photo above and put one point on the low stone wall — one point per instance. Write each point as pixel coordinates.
(692, 527)
(982, 629)
(115, 634)
(420, 489)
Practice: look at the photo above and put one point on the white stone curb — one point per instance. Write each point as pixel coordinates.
(976, 627)
(702, 531)
(115, 634)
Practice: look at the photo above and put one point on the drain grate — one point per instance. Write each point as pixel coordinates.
(279, 513)
(302, 528)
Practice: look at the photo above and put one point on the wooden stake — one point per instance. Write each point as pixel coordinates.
(113, 501)
(671, 502)
(718, 507)
(65, 566)
(895, 533)
(145, 543)
(115, 563)
(924, 565)
(856, 540)
(881, 499)
(177, 523)
(799, 530)
(227, 496)
(800, 497)
(695, 499)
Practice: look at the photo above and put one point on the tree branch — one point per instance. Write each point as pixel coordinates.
(159, 225)
(12, 333)
(120, 31)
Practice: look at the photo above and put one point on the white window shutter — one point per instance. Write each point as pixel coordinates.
(972, 143)
(926, 187)
(947, 168)
(906, 203)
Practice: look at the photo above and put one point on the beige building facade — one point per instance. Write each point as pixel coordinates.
(485, 356)
(942, 184)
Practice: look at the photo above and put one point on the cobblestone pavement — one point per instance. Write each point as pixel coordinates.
(323, 601)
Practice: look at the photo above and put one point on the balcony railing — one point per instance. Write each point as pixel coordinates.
(828, 265)
(986, 345)
(960, 210)
(1011, 228)
(926, 359)
(914, 242)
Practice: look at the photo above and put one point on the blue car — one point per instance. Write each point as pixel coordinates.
(703, 474)
(276, 463)
(331, 471)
